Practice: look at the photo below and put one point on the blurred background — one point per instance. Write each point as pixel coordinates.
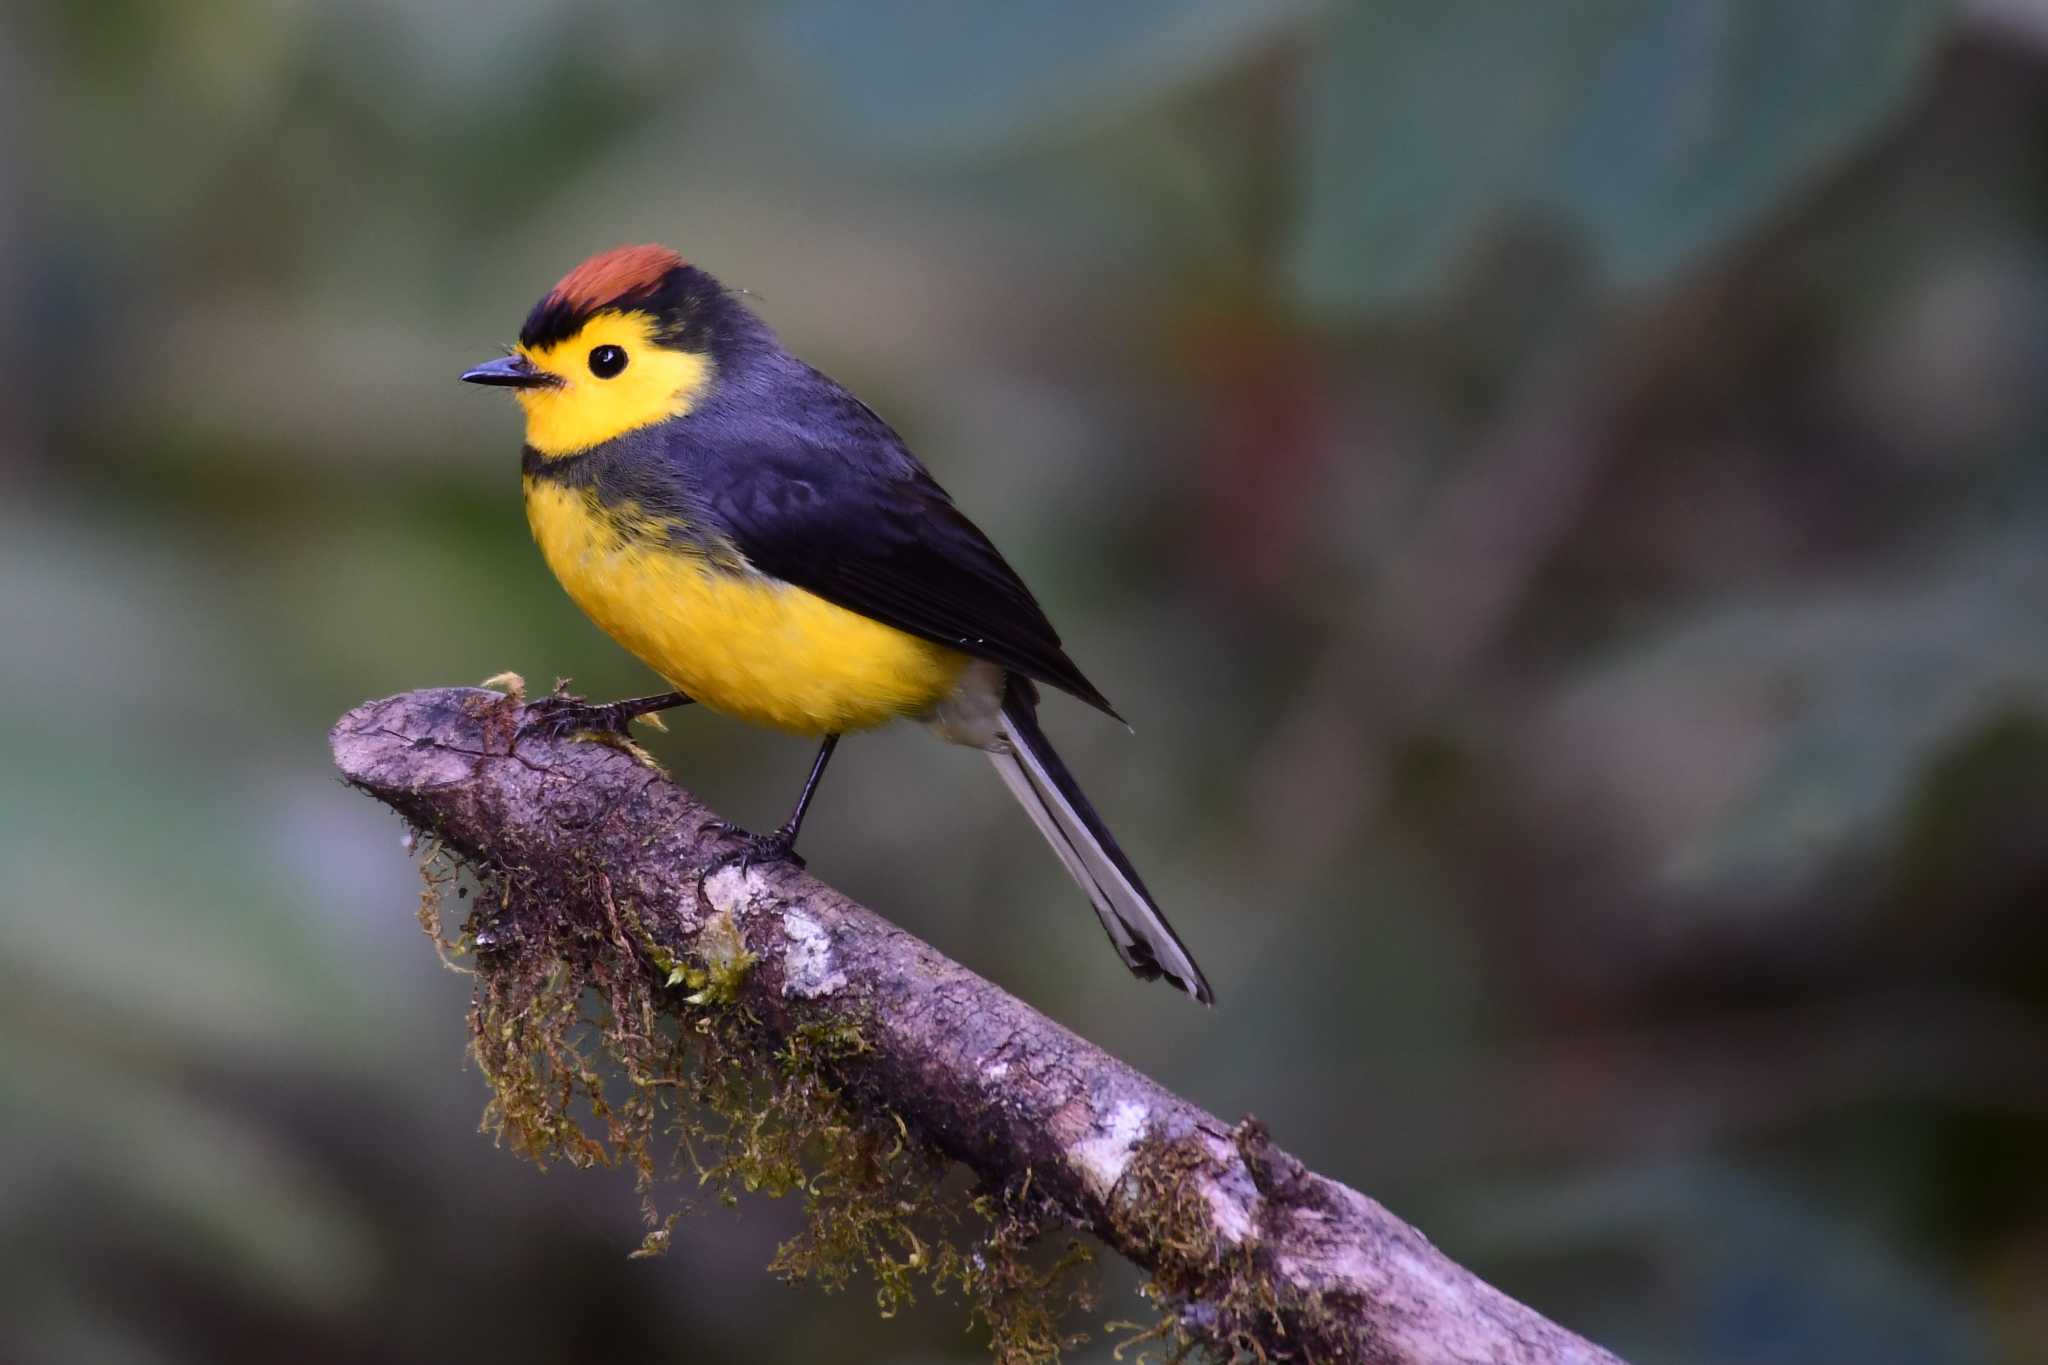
(1561, 491)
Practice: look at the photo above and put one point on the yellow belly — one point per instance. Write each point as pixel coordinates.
(748, 646)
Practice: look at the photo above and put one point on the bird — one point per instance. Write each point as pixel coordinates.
(768, 544)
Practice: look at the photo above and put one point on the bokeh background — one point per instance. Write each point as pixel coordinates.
(1561, 490)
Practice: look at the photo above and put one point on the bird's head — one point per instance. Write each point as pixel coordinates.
(622, 342)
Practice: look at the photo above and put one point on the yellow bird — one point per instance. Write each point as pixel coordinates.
(761, 539)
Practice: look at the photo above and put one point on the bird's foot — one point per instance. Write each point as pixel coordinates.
(564, 715)
(755, 850)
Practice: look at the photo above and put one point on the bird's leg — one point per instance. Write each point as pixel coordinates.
(565, 715)
(779, 845)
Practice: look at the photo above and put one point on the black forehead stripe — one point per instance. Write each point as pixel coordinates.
(551, 320)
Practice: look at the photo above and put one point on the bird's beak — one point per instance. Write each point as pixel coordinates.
(510, 372)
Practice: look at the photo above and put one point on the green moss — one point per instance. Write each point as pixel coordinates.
(726, 963)
(603, 1047)
(1221, 1301)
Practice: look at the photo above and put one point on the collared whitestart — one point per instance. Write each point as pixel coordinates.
(765, 542)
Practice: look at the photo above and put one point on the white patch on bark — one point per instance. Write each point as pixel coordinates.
(807, 969)
(1232, 1220)
(995, 1071)
(1103, 1157)
(727, 889)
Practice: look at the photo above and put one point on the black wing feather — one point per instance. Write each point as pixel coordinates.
(830, 500)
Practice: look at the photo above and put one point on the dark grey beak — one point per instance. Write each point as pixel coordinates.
(510, 372)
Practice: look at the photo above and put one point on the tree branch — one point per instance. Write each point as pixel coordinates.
(1264, 1250)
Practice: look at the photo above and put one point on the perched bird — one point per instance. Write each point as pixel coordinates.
(766, 543)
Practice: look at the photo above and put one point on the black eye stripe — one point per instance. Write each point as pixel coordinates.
(606, 361)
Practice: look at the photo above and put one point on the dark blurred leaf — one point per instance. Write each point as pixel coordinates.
(1658, 131)
(919, 76)
(1831, 705)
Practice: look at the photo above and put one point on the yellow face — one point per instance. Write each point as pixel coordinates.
(615, 377)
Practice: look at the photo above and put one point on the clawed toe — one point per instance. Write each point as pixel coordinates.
(565, 717)
(755, 850)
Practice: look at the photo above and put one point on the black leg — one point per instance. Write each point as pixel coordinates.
(564, 716)
(795, 821)
(780, 845)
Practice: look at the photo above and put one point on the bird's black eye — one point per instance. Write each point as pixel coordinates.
(606, 361)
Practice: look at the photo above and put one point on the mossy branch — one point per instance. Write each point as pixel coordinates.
(590, 860)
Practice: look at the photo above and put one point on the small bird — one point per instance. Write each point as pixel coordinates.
(765, 542)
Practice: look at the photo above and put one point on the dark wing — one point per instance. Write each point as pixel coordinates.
(833, 503)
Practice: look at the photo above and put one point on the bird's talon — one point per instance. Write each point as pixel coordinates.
(756, 850)
(565, 716)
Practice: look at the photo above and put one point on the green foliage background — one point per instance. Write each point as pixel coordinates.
(1558, 488)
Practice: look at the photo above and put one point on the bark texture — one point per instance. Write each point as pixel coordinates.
(1260, 1249)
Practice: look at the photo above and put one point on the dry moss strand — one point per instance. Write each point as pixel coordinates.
(603, 1047)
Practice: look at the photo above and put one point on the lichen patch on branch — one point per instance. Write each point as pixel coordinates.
(807, 969)
(1104, 1155)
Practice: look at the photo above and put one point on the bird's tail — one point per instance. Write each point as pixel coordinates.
(1053, 800)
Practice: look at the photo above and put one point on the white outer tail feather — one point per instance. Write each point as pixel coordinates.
(1035, 806)
(1126, 912)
